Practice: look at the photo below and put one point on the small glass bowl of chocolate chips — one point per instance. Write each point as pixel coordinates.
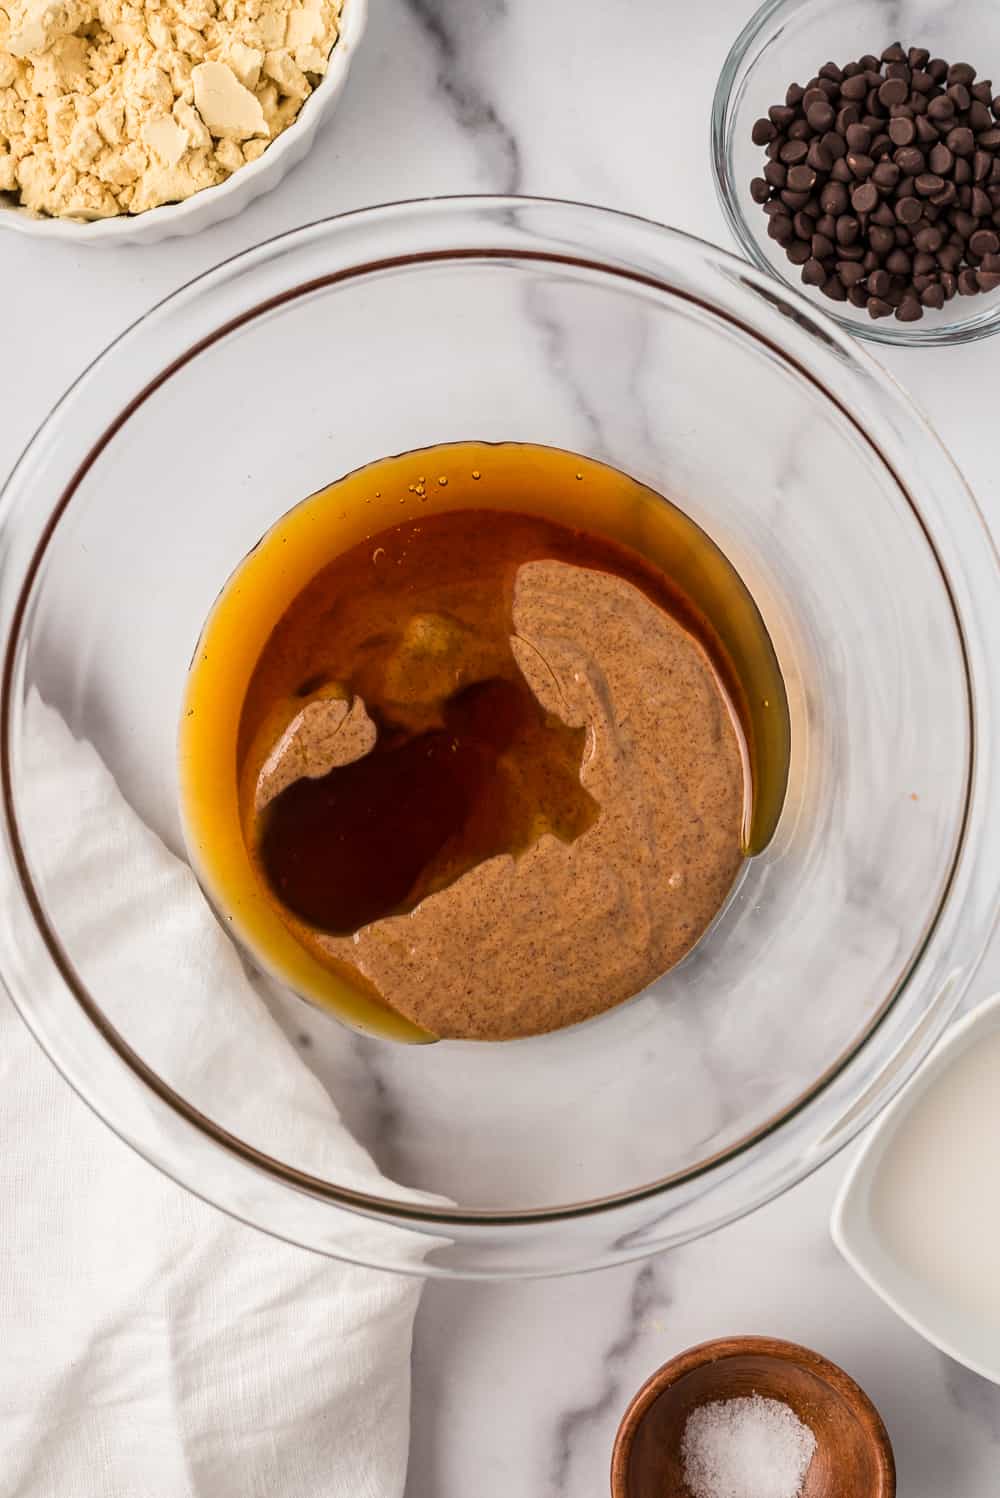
(868, 175)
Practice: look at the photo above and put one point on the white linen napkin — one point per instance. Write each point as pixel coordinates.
(151, 1346)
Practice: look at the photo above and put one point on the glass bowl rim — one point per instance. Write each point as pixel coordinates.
(725, 269)
(731, 196)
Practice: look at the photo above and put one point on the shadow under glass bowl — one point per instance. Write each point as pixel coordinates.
(851, 939)
(788, 41)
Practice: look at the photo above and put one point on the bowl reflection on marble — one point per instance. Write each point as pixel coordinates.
(850, 940)
(788, 41)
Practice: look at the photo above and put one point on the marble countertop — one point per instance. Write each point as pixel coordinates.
(518, 1389)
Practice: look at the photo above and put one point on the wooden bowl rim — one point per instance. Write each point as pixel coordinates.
(722, 1348)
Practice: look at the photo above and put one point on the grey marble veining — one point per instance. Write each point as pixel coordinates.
(456, 32)
(518, 1389)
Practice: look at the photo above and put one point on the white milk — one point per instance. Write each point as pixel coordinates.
(936, 1192)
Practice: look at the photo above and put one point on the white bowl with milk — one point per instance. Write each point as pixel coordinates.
(918, 1217)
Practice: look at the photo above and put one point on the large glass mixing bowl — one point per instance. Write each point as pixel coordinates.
(852, 937)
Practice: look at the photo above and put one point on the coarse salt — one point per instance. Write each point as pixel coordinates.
(746, 1448)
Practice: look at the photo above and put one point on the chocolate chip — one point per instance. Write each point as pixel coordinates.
(893, 91)
(980, 117)
(802, 178)
(960, 72)
(798, 251)
(835, 144)
(894, 53)
(902, 130)
(822, 247)
(908, 210)
(793, 94)
(762, 132)
(927, 131)
(899, 263)
(848, 229)
(833, 199)
(984, 242)
(759, 190)
(932, 296)
(854, 89)
(909, 310)
(886, 175)
(959, 96)
(941, 108)
(949, 285)
(968, 282)
(990, 139)
(861, 166)
(819, 158)
(834, 288)
(804, 226)
(850, 272)
(864, 198)
(929, 239)
(793, 200)
(988, 280)
(938, 69)
(877, 307)
(909, 159)
(821, 115)
(940, 159)
(961, 140)
(880, 239)
(840, 171)
(781, 115)
(794, 152)
(981, 163)
(926, 184)
(981, 207)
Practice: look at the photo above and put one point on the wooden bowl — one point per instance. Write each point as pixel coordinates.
(853, 1456)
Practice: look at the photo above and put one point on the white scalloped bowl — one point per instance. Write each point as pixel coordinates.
(214, 204)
